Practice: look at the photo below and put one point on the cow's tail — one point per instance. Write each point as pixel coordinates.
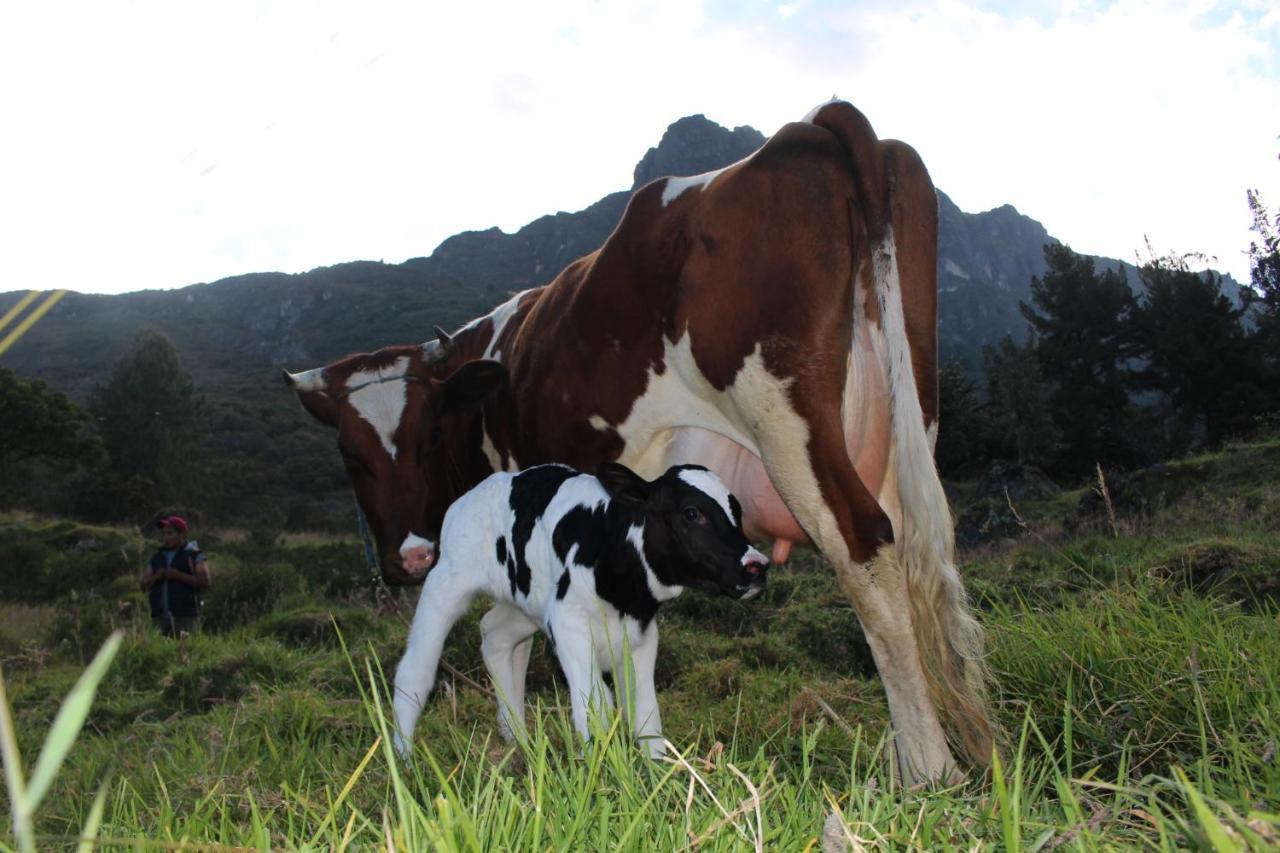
(949, 639)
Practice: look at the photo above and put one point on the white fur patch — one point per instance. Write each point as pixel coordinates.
(598, 422)
(413, 541)
(678, 397)
(496, 460)
(310, 380)
(660, 591)
(501, 315)
(379, 399)
(676, 186)
(432, 351)
(753, 556)
(765, 402)
(710, 485)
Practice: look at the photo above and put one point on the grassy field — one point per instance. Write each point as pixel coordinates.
(1138, 673)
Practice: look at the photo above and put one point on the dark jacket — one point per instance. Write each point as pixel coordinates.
(175, 597)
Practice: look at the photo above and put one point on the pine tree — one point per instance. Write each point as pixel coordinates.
(1019, 425)
(1195, 352)
(1264, 297)
(1264, 255)
(1080, 321)
(147, 413)
(961, 422)
(38, 424)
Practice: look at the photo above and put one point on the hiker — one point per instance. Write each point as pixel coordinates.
(173, 580)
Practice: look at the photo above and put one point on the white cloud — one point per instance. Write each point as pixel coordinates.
(159, 144)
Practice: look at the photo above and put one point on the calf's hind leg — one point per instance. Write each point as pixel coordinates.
(506, 640)
(445, 597)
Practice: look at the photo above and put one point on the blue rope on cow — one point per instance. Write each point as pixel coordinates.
(382, 596)
(370, 556)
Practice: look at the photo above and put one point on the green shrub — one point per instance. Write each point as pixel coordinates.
(41, 564)
(335, 570)
(311, 627)
(244, 592)
(81, 624)
(218, 673)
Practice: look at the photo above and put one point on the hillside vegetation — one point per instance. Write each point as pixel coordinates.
(1138, 667)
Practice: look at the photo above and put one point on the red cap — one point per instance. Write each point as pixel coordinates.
(174, 521)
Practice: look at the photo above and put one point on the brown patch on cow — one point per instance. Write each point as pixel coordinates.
(914, 211)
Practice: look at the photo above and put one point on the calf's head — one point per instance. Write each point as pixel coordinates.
(400, 414)
(692, 529)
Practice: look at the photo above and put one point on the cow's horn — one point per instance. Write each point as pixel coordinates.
(443, 337)
(308, 380)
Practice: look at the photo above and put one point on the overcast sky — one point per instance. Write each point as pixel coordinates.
(154, 145)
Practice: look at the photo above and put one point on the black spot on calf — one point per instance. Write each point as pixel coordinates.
(531, 491)
(562, 585)
(502, 550)
(586, 528)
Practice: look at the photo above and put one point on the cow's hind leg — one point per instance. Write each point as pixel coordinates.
(445, 597)
(802, 444)
(506, 640)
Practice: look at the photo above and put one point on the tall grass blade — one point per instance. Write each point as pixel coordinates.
(19, 804)
(1213, 829)
(89, 834)
(70, 719)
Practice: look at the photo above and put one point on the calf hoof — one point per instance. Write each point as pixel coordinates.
(655, 746)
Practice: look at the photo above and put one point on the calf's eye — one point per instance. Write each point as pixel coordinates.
(694, 516)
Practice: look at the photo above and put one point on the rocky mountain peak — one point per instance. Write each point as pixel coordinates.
(693, 145)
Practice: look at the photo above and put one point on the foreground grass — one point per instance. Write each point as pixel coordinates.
(1134, 718)
(1139, 690)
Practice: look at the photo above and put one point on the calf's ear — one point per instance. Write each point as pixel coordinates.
(470, 384)
(622, 484)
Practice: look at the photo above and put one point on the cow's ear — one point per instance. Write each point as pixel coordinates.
(623, 484)
(312, 386)
(320, 405)
(470, 384)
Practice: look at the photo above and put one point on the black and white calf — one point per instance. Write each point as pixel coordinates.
(585, 559)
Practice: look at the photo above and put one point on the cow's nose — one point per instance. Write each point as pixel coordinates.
(755, 568)
(417, 554)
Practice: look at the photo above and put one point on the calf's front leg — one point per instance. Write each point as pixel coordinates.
(577, 658)
(642, 705)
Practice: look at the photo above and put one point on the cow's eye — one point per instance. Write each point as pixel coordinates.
(694, 516)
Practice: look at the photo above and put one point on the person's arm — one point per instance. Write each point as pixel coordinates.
(149, 577)
(200, 580)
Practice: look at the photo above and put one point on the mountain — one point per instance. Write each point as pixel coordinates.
(235, 334)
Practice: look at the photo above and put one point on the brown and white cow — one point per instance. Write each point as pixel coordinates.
(774, 321)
